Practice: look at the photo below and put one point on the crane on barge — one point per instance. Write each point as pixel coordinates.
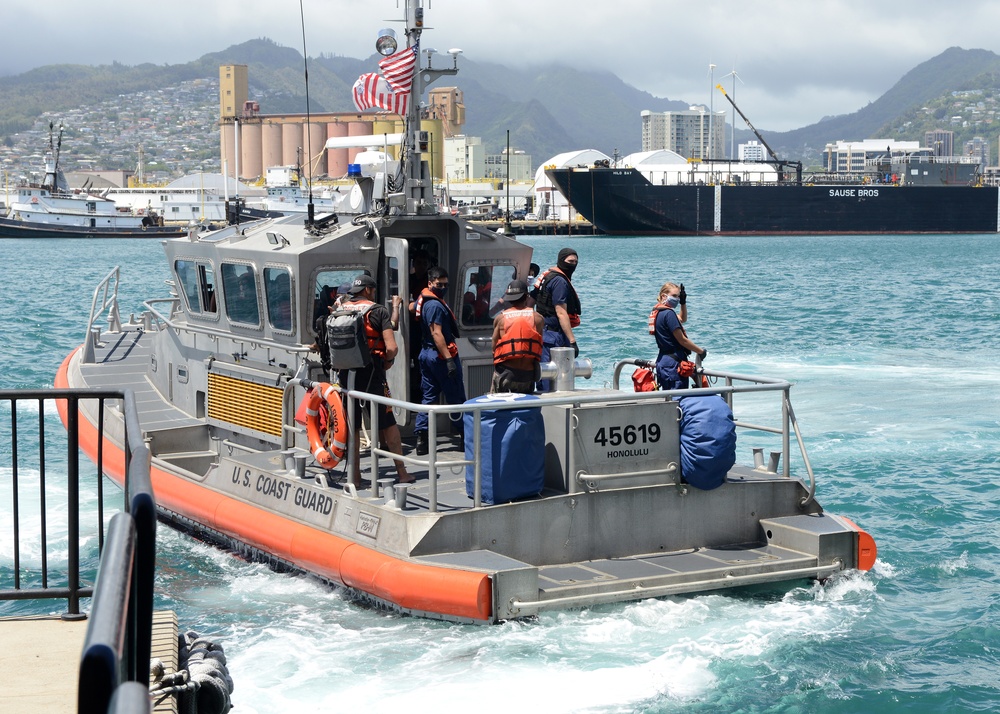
(780, 163)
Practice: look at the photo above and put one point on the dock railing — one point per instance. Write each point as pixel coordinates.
(119, 633)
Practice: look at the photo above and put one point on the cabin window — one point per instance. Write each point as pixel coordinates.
(239, 286)
(206, 277)
(278, 289)
(482, 288)
(393, 269)
(187, 280)
(197, 284)
(325, 288)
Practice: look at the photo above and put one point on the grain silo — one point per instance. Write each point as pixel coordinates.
(250, 150)
(271, 144)
(357, 128)
(336, 159)
(291, 142)
(315, 164)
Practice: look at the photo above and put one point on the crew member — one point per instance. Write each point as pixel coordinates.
(372, 379)
(533, 271)
(440, 366)
(517, 343)
(329, 302)
(674, 344)
(559, 305)
(420, 261)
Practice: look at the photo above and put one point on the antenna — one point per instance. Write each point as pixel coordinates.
(310, 209)
(732, 135)
(711, 109)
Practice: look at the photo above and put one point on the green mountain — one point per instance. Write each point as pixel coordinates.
(548, 110)
(925, 98)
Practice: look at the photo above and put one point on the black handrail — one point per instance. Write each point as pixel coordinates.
(130, 698)
(119, 634)
(104, 660)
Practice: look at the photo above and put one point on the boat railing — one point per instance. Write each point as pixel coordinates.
(167, 321)
(103, 303)
(733, 383)
(119, 632)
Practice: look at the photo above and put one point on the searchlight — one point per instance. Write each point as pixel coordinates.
(385, 43)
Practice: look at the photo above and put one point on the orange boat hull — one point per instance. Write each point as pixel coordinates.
(410, 586)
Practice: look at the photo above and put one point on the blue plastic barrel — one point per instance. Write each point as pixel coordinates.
(512, 447)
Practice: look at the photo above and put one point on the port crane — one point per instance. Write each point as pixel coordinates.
(780, 163)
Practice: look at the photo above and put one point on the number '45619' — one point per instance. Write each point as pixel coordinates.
(628, 434)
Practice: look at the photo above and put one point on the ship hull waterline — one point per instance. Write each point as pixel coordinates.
(624, 202)
(10, 228)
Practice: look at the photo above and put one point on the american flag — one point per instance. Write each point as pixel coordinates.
(372, 90)
(398, 69)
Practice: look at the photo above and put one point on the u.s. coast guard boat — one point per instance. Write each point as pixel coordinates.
(599, 507)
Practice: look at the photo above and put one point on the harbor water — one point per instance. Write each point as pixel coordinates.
(891, 342)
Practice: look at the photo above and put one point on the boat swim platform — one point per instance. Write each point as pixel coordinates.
(40, 661)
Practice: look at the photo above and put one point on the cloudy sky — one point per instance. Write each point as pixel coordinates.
(798, 60)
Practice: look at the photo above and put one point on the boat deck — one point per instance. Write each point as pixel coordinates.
(131, 352)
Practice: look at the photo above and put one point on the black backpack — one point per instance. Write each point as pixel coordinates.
(346, 339)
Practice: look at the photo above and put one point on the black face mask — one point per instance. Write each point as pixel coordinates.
(566, 268)
(440, 292)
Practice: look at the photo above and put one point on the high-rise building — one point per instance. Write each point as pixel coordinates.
(694, 133)
(978, 148)
(940, 141)
(752, 151)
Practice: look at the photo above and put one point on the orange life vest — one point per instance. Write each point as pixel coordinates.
(376, 342)
(428, 294)
(520, 338)
(653, 315)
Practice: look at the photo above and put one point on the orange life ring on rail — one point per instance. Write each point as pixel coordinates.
(328, 445)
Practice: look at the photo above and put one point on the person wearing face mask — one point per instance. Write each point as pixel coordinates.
(533, 271)
(440, 366)
(557, 302)
(674, 344)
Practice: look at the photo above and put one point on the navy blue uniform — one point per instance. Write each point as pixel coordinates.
(671, 353)
(554, 289)
(434, 379)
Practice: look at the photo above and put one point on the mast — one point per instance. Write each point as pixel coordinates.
(51, 179)
(419, 182)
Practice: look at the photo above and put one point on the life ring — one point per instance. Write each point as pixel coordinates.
(34, 199)
(335, 432)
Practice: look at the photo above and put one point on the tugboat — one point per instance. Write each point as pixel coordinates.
(49, 211)
(559, 500)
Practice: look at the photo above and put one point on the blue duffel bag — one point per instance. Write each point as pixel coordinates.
(708, 441)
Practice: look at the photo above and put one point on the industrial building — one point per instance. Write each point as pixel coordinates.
(250, 141)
